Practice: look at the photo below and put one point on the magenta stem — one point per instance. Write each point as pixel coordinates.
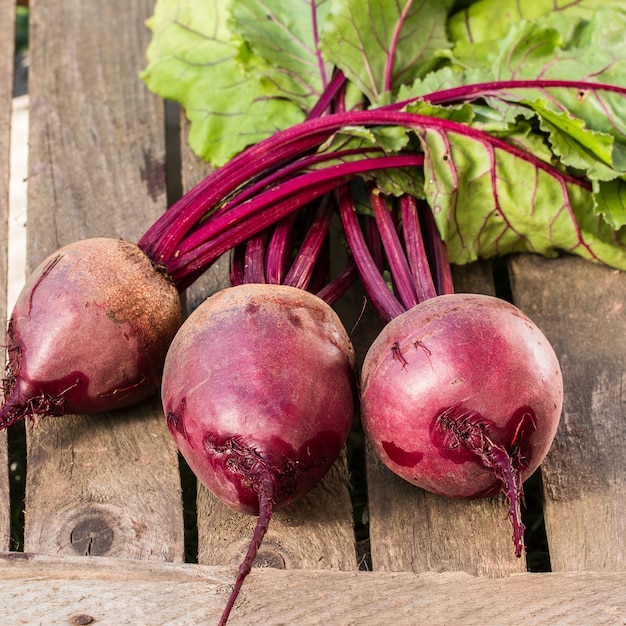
(416, 251)
(496, 88)
(204, 232)
(254, 264)
(396, 257)
(384, 301)
(161, 241)
(246, 220)
(301, 270)
(279, 250)
(440, 263)
(337, 287)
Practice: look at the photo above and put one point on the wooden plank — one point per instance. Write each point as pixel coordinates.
(314, 532)
(413, 530)
(580, 308)
(105, 484)
(7, 25)
(58, 592)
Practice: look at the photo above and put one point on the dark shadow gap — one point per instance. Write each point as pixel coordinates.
(501, 281)
(537, 550)
(16, 438)
(16, 434)
(355, 449)
(173, 170)
(189, 485)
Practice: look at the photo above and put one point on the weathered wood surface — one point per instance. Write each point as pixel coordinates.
(109, 485)
(413, 530)
(58, 592)
(581, 308)
(104, 484)
(7, 12)
(315, 532)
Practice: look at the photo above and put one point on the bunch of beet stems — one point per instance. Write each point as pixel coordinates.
(273, 256)
(275, 177)
(417, 264)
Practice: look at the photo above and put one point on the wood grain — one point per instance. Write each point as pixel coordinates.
(7, 19)
(61, 592)
(413, 530)
(104, 484)
(581, 307)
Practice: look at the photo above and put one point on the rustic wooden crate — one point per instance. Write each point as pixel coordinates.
(104, 531)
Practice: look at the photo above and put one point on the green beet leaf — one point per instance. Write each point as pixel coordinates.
(382, 44)
(486, 20)
(284, 36)
(488, 200)
(193, 59)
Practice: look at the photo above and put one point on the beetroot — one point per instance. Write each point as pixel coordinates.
(461, 395)
(259, 392)
(89, 332)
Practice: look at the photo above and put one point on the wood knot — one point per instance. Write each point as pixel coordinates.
(92, 536)
(269, 558)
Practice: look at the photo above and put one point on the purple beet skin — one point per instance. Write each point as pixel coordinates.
(461, 395)
(89, 332)
(260, 374)
(259, 392)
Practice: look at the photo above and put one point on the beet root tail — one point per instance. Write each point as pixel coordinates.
(498, 459)
(266, 491)
(17, 405)
(469, 430)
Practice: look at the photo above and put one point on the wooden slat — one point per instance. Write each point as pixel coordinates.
(105, 484)
(7, 22)
(413, 530)
(581, 308)
(314, 532)
(58, 592)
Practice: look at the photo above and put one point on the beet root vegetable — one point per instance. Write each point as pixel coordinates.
(89, 332)
(461, 396)
(259, 392)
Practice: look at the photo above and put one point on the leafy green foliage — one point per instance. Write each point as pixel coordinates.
(382, 44)
(514, 167)
(194, 59)
(283, 37)
(487, 20)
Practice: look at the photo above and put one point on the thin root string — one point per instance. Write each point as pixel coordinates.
(468, 429)
(499, 460)
(266, 490)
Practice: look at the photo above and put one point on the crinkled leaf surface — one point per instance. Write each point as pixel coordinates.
(558, 46)
(488, 200)
(386, 140)
(192, 59)
(610, 199)
(284, 34)
(577, 147)
(488, 19)
(582, 129)
(382, 44)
